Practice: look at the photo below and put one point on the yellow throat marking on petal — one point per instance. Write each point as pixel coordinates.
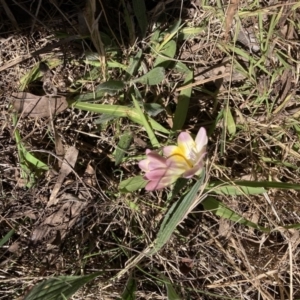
(188, 151)
(181, 158)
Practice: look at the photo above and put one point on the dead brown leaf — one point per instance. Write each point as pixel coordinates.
(14, 248)
(59, 147)
(89, 176)
(232, 8)
(186, 265)
(61, 220)
(67, 166)
(225, 228)
(30, 105)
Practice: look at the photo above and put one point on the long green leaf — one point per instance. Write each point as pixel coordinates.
(113, 110)
(139, 9)
(221, 210)
(269, 184)
(229, 121)
(172, 295)
(293, 226)
(175, 215)
(251, 187)
(89, 96)
(118, 111)
(151, 135)
(233, 189)
(59, 287)
(5, 239)
(183, 103)
(130, 289)
(33, 160)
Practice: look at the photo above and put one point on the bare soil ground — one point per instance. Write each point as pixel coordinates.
(245, 59)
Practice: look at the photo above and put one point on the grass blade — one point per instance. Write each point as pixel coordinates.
(111, 86)
(219, 209)
(250, 187)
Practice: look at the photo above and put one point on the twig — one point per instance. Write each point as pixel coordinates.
(199, 82)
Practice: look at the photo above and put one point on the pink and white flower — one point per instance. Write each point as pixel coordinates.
(158, 171)
(184, 160)
(189, 154)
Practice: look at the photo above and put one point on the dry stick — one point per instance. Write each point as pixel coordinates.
(199, 82)
(291, 270)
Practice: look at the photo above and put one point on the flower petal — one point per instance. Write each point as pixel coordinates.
(201, 139)
(201, 156)
(186, 144)
(184, 160)
(196, 170)
(172, 150)
(155, 157)
(156, 185)
(153, 160)
(178, 164)
(156, 174)
(143, 165)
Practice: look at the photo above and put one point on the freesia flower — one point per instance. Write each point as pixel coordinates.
(158, 171)
(184, 160)
(189, 155)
